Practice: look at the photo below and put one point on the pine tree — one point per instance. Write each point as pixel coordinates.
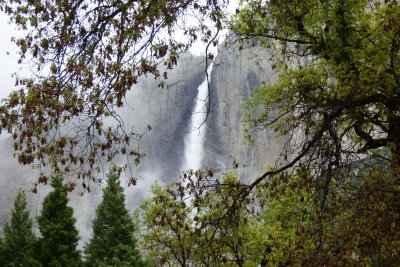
(57, 247)
(17, 246)
(113, 241)
(2, 260)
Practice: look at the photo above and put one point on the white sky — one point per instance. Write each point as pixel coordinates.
(8, 62)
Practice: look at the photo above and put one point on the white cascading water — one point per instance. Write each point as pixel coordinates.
(194, 140)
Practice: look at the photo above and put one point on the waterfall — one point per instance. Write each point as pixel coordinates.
(194, 140)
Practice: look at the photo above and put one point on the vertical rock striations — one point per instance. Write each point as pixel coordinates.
(167, 111)
(236, 72)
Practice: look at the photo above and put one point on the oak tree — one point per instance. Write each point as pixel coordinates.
(337, 97)
(337, 103)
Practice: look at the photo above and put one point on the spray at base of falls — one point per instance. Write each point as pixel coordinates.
(194, 141)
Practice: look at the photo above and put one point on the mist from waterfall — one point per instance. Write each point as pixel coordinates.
(194, 140)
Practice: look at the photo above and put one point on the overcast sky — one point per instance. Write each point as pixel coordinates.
(8, 62)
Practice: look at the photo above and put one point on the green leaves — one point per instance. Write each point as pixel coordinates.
(282, 222)
(336, 96)
(188, 224)
(336, 103)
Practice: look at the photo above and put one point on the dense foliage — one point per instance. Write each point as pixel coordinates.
(196, 226)
(337, 101)
(113, 242)
(179, 229)
(280, 224)
(17, 246)
(342, 103)
(58, 244)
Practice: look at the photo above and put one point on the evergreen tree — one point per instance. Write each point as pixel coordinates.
(17, 245)
(2, 260)
(57, 247)
(113, 241)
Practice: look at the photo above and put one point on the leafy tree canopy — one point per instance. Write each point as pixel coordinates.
(342, 102)
(337, 102)
(191, 223)
(281, 223)
(113, 242)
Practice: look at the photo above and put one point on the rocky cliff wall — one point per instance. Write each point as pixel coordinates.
(167, 111)
(236, 72)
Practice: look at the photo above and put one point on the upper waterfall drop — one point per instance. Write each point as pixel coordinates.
(194, 140)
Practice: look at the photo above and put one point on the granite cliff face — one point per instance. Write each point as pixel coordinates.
(168, 111)
(235, 73)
